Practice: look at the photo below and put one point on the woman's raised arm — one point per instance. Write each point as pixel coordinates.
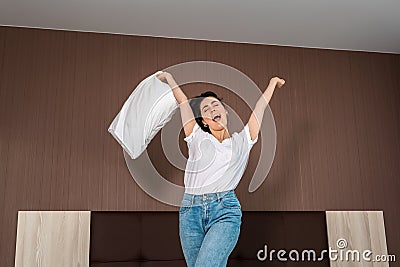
(187, 115)
(258, 113)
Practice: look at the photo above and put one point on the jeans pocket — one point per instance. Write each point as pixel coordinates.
(185, 206)
(230, 202)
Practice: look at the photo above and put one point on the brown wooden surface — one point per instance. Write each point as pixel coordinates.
(337, 119)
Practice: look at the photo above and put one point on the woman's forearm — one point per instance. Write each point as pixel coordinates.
(258, 112)
(267, 95)
(178, 93)
(263, 101)
(186, 111)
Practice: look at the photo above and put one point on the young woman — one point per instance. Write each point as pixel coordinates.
(210, 214)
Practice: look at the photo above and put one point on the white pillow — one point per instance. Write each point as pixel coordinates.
(151, 105)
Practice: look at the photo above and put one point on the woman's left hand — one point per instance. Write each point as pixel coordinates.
(278, 81)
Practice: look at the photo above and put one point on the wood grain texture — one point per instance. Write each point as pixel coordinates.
(337, 122)
(361, 230)
(53, 238)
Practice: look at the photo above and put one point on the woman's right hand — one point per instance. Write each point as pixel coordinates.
(164, 77)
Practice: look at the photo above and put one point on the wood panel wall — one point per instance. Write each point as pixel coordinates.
(337, 122)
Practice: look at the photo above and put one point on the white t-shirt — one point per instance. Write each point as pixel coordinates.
(215, 166)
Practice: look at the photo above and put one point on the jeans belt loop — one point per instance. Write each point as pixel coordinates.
(218, 196)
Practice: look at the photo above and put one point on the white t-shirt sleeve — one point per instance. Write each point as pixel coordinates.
(194, 133)
(248, 137)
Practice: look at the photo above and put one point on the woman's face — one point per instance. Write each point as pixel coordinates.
(213, 113)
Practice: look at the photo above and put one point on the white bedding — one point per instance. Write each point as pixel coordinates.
(150, 106)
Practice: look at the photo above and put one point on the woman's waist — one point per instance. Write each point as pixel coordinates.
(207, 197)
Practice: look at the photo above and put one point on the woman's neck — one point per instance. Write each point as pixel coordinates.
(221, 135)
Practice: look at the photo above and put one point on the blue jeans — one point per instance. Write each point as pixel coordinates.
(209, 227)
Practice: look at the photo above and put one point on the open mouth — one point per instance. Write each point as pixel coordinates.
(217, 117)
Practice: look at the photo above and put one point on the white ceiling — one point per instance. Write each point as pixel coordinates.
(362, 25)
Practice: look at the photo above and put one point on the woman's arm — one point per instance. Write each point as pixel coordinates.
(187, 116)
(258, 113)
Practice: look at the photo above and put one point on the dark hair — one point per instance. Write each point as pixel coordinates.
(195, 105)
